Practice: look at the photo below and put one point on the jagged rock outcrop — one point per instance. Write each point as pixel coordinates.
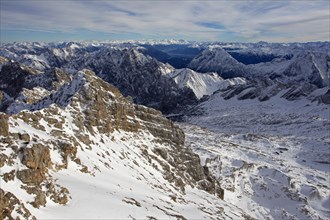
(129, 69)
(143, 78)
(4, 124)
(19, 83)
(82, 114)
(200, 84)
(37, 157)
(10, 203)
(264, 89)
(309, 67)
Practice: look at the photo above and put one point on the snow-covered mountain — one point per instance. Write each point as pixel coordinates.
(79, 149)
(312, 67)
(216, 59)
(287, 64)
(128, 68)
(203, 83)
(133, 66)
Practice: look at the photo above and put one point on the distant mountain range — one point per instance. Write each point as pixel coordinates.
(147, 71)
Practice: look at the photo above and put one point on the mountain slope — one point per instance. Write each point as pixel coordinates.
(310, 67)
(127, 67)
(84, 151)
(289, 64)
(145, 79)
(202, 83)
(216, 59)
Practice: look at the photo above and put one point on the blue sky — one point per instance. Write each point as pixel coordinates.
(204, 20)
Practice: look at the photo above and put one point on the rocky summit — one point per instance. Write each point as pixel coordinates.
(79, 128)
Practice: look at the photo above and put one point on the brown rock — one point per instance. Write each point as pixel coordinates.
(68, 151)
(162, 152)
(36, 157)
(9, 203)
(1, 96)
(39, 200)
(25, 138)
(32, 177)
(60, 196)
(3, 159)
(4, 127)
(10, 176)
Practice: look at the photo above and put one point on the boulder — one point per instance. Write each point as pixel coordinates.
(36, 157)
(31, 177)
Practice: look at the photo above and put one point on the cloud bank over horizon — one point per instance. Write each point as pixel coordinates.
(208, 20)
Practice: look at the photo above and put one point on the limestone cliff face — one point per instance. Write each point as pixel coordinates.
(80, 113)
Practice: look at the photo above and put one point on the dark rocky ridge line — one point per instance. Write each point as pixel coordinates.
(135, 74)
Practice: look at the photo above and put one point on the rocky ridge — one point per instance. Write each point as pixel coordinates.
(79, 116)
(215, 59)
(127, 67)
(137, 73)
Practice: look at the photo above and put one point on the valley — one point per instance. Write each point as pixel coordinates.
(270, 157)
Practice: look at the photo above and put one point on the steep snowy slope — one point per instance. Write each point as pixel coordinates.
(271, 157)
(308, 67)
(81, 150)
(216, 59)
(202, 83)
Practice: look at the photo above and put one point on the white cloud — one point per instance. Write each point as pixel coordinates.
(250, 20)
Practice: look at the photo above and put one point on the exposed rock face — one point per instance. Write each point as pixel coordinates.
(144, 78)
(325, 98)
(66, 122)
(37, 157)
(311, 67)
(134, 73)
(21, 84)
(264, 88)
(13, 78)
(188, 162)
(298, 91)
(39, 200)
(4, 124)
(9, 203)
(33, 177)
